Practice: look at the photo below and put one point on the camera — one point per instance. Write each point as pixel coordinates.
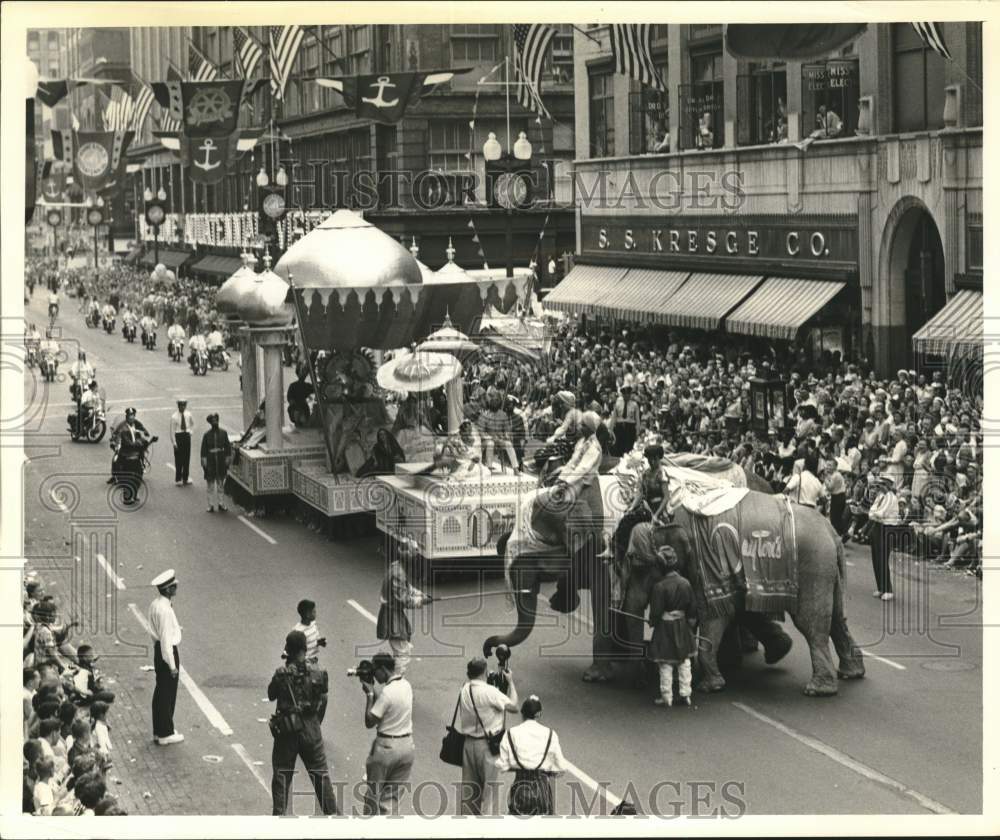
(499, 678)
(364, 672)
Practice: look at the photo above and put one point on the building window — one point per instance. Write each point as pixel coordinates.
(830, 98)
(312, 97)
(974, 247)
(359, 47)
(702, 124)
(761, 97)
(475, 42)
(33, 41)
(649, 116)
(918, 82)
(448, 144)
(560, 60)
(602, 113)
(53, 40)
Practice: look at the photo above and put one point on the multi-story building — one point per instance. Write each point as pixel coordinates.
(735, 202)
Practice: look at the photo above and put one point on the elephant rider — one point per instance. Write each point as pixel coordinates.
(560, 443)
(577, 492)
(650, 501)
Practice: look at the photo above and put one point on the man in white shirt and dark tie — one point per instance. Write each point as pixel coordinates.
(181, 422)
(166, 633)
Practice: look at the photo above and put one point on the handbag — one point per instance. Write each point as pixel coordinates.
(453, 743)
(286, 723)
(492, 739)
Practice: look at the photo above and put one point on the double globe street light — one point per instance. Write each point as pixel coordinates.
(508, 182)
(156, 213)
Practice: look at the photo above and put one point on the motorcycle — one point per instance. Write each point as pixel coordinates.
(31, 355)
(218, 358)
(92, 319)
(149, 340)
(48, 365)
(90, 428)
(109, 325)
(130, 463)
(175, 349)
(128, 331)
(199, 363)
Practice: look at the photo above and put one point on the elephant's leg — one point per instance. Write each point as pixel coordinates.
(604, 648)
(815, 626)
(852, 665)
(776, 641)
(711, 631)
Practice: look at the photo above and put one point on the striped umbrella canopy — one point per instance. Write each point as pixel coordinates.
(419, 371)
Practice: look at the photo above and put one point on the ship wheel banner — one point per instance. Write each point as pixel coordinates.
(97, 157)
(205, 109)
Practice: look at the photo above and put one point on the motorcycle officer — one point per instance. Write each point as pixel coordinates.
(196, 344)
(32, 343)
(148, 325)
(175, 333)
(214, 341)
(108, 312)
(48, 350)
(53, 304)
(79, 372)
(89, 401)
(129, 440)
(94, 310)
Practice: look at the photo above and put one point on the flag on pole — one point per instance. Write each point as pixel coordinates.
(247, 51)
(200, 68)
(930, 34)
(531, 41)
(632, 48)
(167, 122)
(143, 103)
(118, 113)
(284, 42)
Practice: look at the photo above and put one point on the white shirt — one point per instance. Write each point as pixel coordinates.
(81, 370)
(102, 737)
(164, 628)
(53, 298)
(90, 398)
(491, 704)
(147, 323)
(109, 311)
(175, 331)
(175, 424)
(885, 508)
(805, 489)
(128, 317)
(394, 707)
(196, 342)
(582, 466)
(214, 339)
(49, 347)
(529, 740)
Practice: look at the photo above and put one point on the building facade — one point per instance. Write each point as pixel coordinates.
(737, 181)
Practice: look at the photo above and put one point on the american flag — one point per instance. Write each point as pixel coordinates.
(118, 113)
(200, 69)
(531, 41)
(247, 51)
(143, 103)
(284, 46)
(167, 122)
(930, 34)
(631, 45)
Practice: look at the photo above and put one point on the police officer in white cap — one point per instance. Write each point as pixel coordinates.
(166, 633)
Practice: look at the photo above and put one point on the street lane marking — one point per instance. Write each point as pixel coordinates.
(587, 780)
(117, 581)
(241, 751)
(846, 761)
(210, 712)
(257, 530)
(889, 662)
(362, 610)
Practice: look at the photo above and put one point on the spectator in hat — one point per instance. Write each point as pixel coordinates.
(181, 424)
(216, 453)
(673, 615)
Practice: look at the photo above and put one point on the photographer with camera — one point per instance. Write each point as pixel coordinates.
(301, 693)
(390, 712)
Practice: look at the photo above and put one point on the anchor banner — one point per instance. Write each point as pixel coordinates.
(385, 96)
(98, 157)
(208, 159)
(205, 109)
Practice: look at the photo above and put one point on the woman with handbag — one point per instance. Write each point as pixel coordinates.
(533, 753)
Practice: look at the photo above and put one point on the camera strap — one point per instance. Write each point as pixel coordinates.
(291, 692)
(474, 709)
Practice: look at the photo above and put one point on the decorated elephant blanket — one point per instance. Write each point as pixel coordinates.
(749, 548)
(719, 468)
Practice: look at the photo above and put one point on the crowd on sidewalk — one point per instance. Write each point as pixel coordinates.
(68, 750)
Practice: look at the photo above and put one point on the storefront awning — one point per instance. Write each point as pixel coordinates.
(171, 258)
(582, 290)
(957, 327)
(782, 305)
(705, 299)
(642, 292)
(217, 266)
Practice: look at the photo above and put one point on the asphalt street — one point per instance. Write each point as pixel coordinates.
(905, 740)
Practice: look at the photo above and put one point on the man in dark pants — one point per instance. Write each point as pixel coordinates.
(884, 516)
(166, 633)
(181, 422)
(215, 455)
(301, 692)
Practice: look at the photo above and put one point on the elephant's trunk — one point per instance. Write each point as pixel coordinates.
(527, 604)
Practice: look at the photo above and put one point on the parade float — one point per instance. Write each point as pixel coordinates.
(363, 303)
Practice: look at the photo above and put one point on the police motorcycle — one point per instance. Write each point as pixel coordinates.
(128, 331)
(93, 318)
(199, 362)
(132, 458)
(31, 348)
(89, 423)
(109, 323)
(175, 349)
(218, 358)
(149, 339)
(48, 364)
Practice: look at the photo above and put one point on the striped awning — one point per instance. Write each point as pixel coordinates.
(582, 290)
(782, 305)
(642, 292)
(705, 299)
(957, 327)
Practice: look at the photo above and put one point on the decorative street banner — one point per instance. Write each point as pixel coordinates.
(384, 97)
(53, 183)
(205, 109)
(209, 158)
(97, 157)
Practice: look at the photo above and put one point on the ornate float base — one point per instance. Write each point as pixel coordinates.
(451, 519)
(335, 494)
(263, 472)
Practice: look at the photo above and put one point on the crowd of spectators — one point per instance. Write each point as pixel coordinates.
(690, 393)
(67, 744)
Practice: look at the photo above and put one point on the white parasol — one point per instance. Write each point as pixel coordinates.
(419, 371)
(448, 340)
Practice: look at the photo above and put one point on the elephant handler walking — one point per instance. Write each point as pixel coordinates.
(673, 616)
(397, 595)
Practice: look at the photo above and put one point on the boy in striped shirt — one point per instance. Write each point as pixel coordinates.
(307, 625)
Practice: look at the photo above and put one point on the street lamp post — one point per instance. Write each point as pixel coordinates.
(155, 214)
(95, 216)
(509, 188)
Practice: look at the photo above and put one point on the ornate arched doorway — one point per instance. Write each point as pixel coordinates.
(913, 281)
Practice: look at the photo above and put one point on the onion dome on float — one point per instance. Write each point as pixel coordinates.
(231, 292)
(426, 272)
(345, 251)
(263, 302)
(450, 272)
